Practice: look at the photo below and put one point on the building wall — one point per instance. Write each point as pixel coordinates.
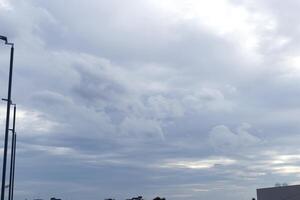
(279, 193)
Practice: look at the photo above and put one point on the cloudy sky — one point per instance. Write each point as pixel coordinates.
(194, 99)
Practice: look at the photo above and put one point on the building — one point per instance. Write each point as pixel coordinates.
(279, 193)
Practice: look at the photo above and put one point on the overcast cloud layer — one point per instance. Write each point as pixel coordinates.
(191, 99)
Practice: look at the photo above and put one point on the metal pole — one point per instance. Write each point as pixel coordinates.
(12, 153)
(11, 165)
(14, 166)
(7, 123)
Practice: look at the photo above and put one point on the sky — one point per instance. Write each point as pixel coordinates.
(191, 99)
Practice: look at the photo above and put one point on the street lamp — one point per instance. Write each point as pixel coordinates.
(3, 38)
(8, 100)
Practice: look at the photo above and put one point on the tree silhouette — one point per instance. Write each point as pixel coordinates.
(158, 198)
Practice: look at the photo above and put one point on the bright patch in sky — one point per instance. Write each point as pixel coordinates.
(234, 23)
(200, 164)
(4, 4)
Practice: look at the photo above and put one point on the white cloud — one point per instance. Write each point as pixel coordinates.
(199, 164)
(34, 122)
(208, 99)
(5, 4)
(222, 138)
(223, 18)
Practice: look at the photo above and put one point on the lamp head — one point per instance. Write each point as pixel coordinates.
(3, 38)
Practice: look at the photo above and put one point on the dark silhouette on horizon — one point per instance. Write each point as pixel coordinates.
(136, 198)
(158, 198)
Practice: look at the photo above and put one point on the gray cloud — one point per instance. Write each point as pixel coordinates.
(126, 98)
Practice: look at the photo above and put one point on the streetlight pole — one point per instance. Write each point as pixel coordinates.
(12, 156)
(7, 115)
(14, 166)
